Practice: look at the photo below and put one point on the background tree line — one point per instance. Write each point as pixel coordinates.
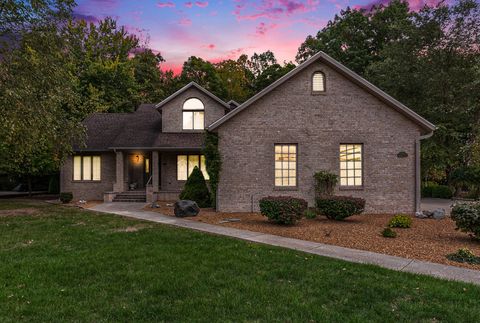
(55, 70)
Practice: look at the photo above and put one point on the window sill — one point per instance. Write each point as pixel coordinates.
(285, 188)
(351, 188)
(81, 181)
(319, 92)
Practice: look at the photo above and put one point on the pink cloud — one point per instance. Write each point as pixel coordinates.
(86, 18)
(209, 46)
(167, 4)
(272, 9)
(201, 4)
(185, 22)
(262, 28)
(188, 4)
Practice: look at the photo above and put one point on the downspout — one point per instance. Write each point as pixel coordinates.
(418, 172)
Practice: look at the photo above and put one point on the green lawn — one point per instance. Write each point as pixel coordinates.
(64, 264)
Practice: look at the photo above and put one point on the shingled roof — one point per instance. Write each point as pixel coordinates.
(141, 129)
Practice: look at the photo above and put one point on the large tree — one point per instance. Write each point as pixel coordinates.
(356, 37)
(203, 73)
(236, 77)
(38, 102)
(102, 63)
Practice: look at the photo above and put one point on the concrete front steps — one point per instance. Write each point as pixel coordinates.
(132, 196)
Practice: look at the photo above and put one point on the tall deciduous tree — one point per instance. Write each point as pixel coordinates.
(204, 73)
(103, 65)
(38, 102)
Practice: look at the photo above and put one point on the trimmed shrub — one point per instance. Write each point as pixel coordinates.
(283, 209)
(66, 197)
(464, 255)
(442, 192)
(467, 218)
(340, 207)
(400, 221)
(427, 191)
(196, 189)
(389, 233)
(324, 183)
(437, 191)
(310, 213)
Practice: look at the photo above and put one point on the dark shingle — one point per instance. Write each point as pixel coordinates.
(142, 128)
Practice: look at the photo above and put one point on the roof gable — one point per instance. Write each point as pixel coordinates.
(352, 76)
(198, 87)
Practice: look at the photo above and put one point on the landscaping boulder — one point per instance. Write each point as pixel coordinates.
(438, 214)
(421, 215)
(184, 208)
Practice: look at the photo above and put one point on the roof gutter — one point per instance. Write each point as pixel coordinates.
(418, 179)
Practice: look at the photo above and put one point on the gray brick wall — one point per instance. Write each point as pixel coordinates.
(318, 124)
(172, 111)
(89, 190)
(169, 172)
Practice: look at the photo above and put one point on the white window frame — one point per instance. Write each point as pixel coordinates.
(290, 180)
(201, 164)
(324, 84)
(348, 173)
(191, 114)
(83, 160)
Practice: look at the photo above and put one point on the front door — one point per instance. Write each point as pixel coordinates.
(136, 171)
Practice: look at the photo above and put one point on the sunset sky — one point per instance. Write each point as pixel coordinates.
(217, 30)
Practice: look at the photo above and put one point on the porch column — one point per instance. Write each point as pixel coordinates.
(119, 185)
(155, 184)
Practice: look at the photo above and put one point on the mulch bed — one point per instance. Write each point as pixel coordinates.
(427, 239)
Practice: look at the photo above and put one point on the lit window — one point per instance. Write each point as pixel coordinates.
(86, 168)
(186, 164)
(318, 82)
(351, 165)
(285, 165)
(193, 115)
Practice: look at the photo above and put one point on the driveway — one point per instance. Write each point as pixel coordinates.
(431, 204)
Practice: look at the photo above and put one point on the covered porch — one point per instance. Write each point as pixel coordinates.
(147, 175)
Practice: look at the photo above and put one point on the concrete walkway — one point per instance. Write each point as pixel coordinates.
(134, 210)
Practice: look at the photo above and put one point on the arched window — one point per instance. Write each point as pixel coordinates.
(193, 114)
(318, 82)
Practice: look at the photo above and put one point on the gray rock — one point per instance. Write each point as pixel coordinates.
(438, 214)
(428, 214)
(184, 208)
(421, 215)
(154, 205)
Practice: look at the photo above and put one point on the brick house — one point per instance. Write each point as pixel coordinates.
(319, 116)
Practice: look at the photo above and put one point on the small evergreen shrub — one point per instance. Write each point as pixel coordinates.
(400, 221)
(467, 218)
(442, 192)
(310, 213)
(66, 197)
(389, 233)
(340, 207)
(196, 189)
(464, 255)
(283, 209)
